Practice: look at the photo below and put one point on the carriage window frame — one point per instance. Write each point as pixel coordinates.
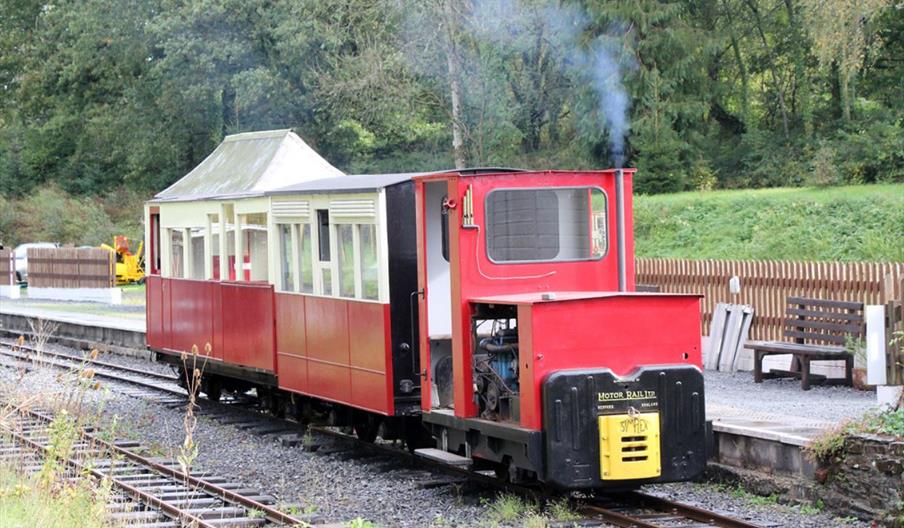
(604, 254)
(356, 259)
(303, 274)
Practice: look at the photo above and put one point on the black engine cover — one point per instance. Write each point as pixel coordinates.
(573, 399)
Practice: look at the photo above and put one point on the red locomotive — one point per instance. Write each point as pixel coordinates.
(487, 313)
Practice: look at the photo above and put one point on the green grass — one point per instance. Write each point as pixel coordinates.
(25, 502)
(512, 510)
(862, 222)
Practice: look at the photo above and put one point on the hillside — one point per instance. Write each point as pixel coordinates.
(863, 222)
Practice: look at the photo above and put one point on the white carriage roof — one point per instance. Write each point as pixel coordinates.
(352, 182)
(251, 164)
(372, 182)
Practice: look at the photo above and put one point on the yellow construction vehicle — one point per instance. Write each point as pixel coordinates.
(129, 266)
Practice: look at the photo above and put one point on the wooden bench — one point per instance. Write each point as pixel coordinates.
(817, 330)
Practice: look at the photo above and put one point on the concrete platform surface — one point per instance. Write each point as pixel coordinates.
(114, 321)
(777, 410)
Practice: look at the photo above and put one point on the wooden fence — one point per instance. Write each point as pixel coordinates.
(766, 284)
(894, 332)
(7, 267)
(71, 268)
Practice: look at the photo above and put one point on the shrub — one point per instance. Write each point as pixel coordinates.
(823, 169)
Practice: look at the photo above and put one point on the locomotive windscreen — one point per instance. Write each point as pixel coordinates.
(529, 225)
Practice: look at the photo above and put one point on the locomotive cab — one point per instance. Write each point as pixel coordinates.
(537, 357)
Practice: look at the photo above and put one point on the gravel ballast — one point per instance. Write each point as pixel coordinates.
(342, 486)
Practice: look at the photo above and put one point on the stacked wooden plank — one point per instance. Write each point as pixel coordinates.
(765, 285)
(71, 268)
(727, 335)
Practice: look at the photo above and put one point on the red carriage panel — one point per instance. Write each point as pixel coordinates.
(291, 344)
(191, 314)
(156, 337)
(216, 307)
(370, 356)
(326, 326)
(335, 349)
(248, 325)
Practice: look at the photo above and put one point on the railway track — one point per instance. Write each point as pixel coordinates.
(629, 510)
(642, 510)
(145, 493)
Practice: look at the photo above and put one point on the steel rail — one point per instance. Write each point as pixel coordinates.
(137, 494)
(97, 373)
(270, 513)
(616, 518)
(149, 374)
(691, 512)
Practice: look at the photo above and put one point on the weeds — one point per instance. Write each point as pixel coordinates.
(360, 523)
(512, 509)
(41, 333)
(25, 502)
(307, 439)
(62, 433)
(560, 510)
(508, 508)
(813, 508)
(188, 451)
(831, 443)
(61, 493)
(752, 498)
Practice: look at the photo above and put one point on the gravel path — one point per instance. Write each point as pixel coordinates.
(736, 390)
(339, 487)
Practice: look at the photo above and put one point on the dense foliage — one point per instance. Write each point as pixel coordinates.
(863, 222)
(99, 94)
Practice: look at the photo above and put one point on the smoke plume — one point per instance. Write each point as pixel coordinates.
(583, 54)
(613, 100)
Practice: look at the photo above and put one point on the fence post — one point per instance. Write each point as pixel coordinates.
(894, 333)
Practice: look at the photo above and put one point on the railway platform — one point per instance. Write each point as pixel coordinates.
(757, 427)
(120, 333)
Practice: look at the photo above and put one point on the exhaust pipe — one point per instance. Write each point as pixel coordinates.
(620, 229)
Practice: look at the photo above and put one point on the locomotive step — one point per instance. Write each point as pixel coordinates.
(443, 457)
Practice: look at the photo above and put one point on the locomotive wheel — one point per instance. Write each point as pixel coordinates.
(506, 471)
(367, 427)
(212, 387)
(416, 436)
(181, 375)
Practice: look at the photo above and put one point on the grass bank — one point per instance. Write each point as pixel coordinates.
(24, 501)
(862, 222)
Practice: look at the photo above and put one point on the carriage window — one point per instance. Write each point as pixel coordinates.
(154, 247)
(346, 246)
(286, 258)
(323, 233)
(369, 267)
(535, 225)
(306, 258)
(256, 250)
(176, 253)
(197, 253)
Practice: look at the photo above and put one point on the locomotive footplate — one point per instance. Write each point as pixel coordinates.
(603, 431)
